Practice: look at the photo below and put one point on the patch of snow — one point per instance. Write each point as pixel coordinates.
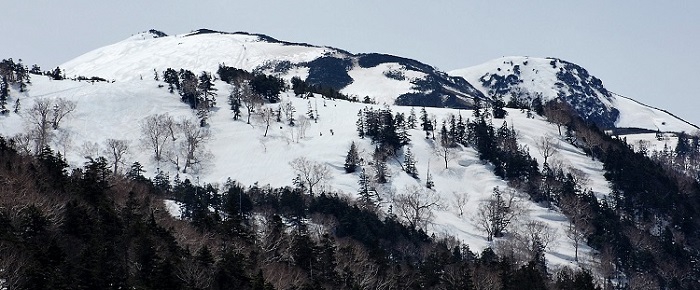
(174, 208)
(374, 83)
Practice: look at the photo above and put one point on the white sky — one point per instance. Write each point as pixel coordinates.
(642, 49)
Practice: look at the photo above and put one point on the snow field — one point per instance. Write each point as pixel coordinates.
(372, 82)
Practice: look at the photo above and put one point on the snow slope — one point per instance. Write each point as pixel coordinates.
(634, 114)
(137, 56)
(242, 153)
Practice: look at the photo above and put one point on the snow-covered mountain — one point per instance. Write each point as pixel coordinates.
(386, 78)
(250, 154)
(527, 78)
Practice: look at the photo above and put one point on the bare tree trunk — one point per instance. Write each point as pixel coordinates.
(117, 149)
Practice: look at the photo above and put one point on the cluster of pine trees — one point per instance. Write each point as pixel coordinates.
(386, 129)
(12, 74)
(301, 87)
(196, 91)
(267, 86)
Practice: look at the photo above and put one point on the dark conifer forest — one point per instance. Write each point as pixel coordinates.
(91, 229)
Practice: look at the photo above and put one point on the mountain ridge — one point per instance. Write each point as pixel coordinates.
(385, 78)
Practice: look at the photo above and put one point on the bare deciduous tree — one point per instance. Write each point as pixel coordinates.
(357, 259)
(288, 110)
(251, 100)
(194, 275)
(116, 150)
(90, 150)
(157, 130)
(39, 117)
(12, 266)
(547, 146)
(416, 205)
(194, 139)
(61, 109)
(63, 141)
(557, 113)
(445, 152)
(643, 146)
(526, 241)
(579, 178)
(302, 125)
(272, 239)
(267, 117)
(460, 201)
(580, 214)
(23, 143)
(495, 214)
(643, 281)
(310, 173)
(486, 279)
(285, 276)
(577, 235)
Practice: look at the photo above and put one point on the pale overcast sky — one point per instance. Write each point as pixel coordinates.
(642, 49)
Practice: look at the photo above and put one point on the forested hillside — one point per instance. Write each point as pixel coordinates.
(92, 229)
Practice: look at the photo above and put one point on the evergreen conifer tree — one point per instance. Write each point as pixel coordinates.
(409, 163)
(411, 121)
(16, 106)
(381, 170)
(429, 179)
(351, 159)
(234, 100)
(402, 130)
(445, 136)
(56, 74)
(498, 111)
(171, 77)
(425, 123)
(461, 137)
(310, 111)
(4, 95)
(298, 86)
(367, 194)
(361, 124)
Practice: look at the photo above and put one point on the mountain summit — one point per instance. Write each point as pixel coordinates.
(522, 79)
